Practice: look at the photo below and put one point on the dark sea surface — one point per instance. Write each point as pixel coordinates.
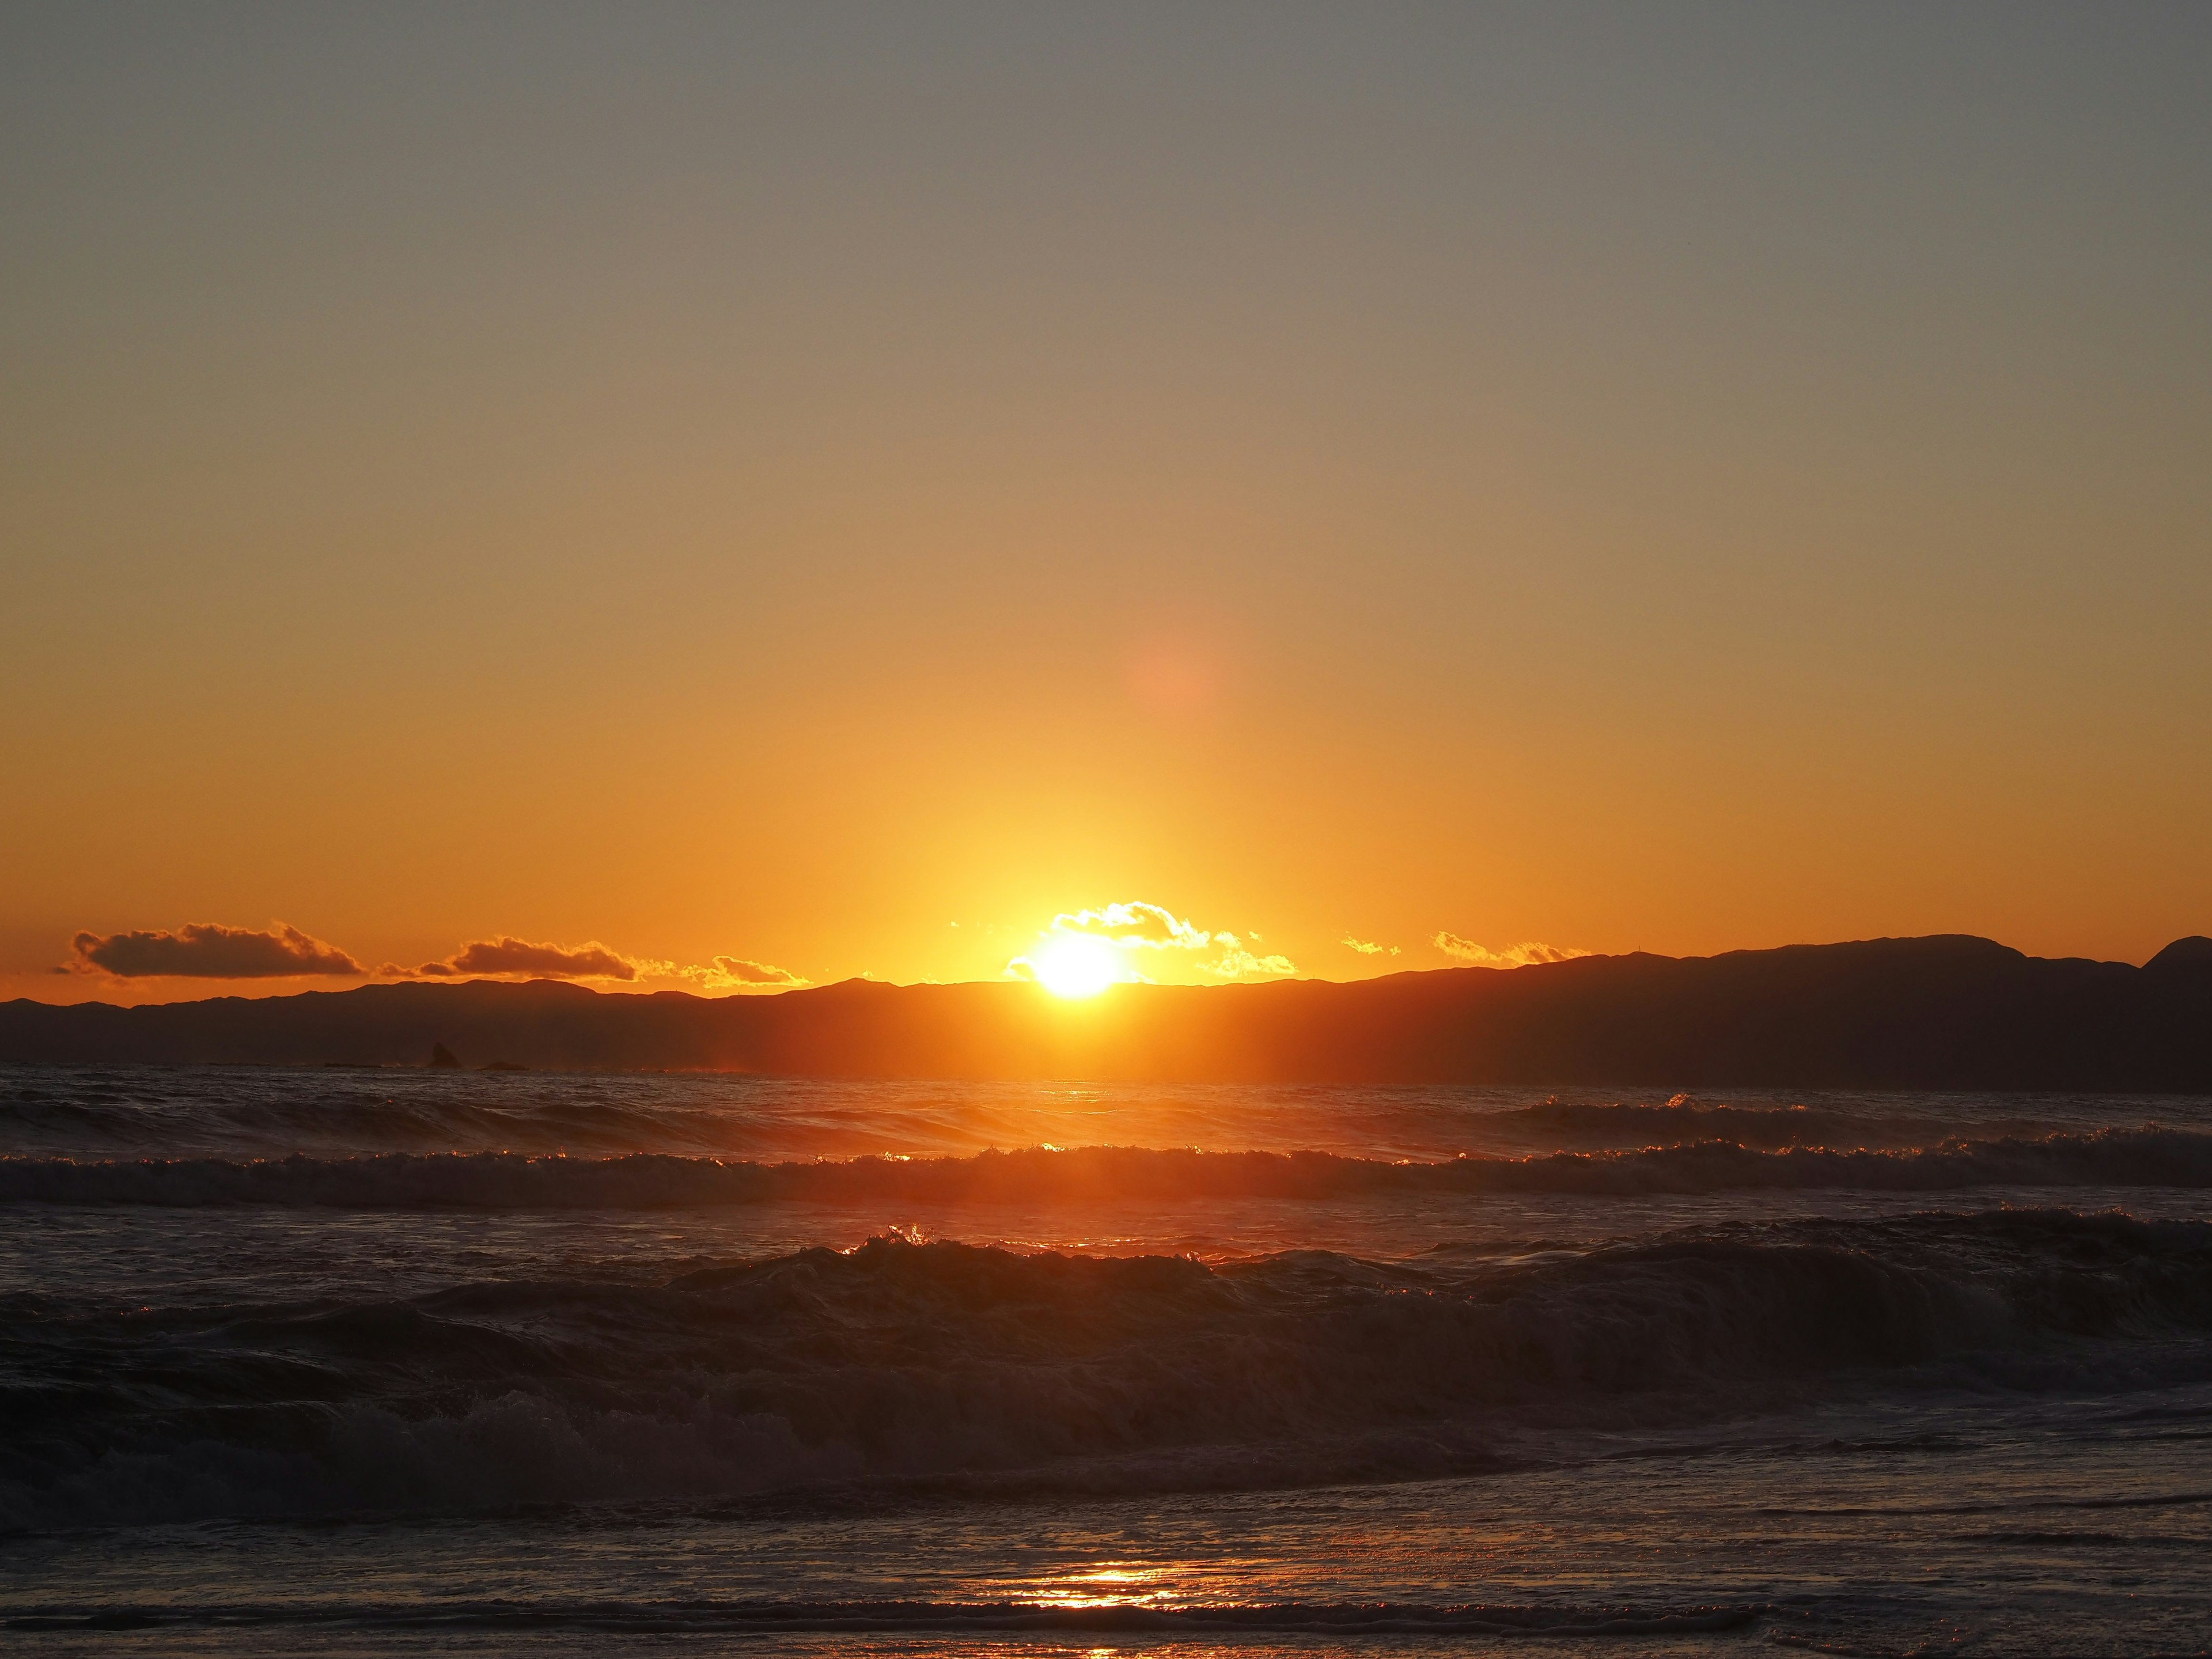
(371, 1362)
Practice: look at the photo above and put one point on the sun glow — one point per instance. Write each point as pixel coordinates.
(1076, 965)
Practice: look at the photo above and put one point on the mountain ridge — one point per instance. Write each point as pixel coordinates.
(1944, 1011)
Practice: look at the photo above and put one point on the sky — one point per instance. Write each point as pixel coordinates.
(773, 493)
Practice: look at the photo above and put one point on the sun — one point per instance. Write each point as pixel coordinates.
(1077, 965)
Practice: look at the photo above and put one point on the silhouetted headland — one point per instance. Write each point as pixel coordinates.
(1949, 1011)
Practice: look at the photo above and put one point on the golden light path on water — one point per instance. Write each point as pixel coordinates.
(1108, 1584)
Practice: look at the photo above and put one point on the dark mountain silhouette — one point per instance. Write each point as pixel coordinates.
(2192, 955)
(1949, 1011)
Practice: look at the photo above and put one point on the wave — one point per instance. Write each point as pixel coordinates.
(2145, 1156)
(1685, 1120)
(216, 1113)
(971, 1369)
(225, 1114)
(734, 1618)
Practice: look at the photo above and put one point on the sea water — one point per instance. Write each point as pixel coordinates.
(359, 1361)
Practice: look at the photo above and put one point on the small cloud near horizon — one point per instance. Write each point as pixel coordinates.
(736, 973)
(209, 950)
(1238, 962)
(1134, 926)
(1150, 926)
(508, 958)
(1367, 947)
(1524, 955)
(504, 955)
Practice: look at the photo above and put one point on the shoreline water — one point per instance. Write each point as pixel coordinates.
(285, 1385)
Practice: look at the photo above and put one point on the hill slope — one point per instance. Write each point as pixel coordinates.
(1948, 1012)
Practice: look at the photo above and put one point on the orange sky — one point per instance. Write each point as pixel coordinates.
(836, 489)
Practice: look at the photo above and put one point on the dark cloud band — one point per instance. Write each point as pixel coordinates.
(209, 950)
(506, 955)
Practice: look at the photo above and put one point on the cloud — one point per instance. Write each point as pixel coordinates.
(736, 973)
(1147, 924)
(520, 958)
(1134, 927)
(506, 956)
(509, 957)
(1238, 962)
(1367, 947)
(1513, 955)
(206, 951)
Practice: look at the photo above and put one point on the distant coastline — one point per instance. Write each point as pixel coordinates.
(1950, 1011)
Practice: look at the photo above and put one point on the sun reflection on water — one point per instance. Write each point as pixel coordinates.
(1108, 1584)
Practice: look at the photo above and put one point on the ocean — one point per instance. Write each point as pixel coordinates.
(394, 1362)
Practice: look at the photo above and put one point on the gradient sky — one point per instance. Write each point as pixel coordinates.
(779, 482)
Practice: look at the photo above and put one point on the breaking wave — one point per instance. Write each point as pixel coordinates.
(945, 1363)
(2146, 1157)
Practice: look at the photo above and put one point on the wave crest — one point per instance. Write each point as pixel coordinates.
(941, 1362)
(2145, 1156)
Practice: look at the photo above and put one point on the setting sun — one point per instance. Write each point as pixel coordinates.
(1077, 965)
